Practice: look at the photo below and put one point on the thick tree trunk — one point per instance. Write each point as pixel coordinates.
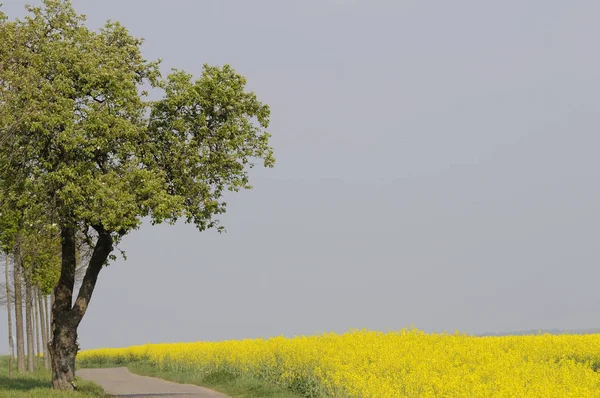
(19, 315)
(63, 350)
(10, 327)
(63, 346)
(66, 319)
(29, 326)
(43, 332)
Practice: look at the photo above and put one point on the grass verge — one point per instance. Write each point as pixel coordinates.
(37, 385)
(224, 382)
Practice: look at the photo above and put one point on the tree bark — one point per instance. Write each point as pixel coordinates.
(63, 346)
(29, 326)
(43, 331)
(37, 326)
(66, 319)
(49, 303)
(48, 311)
(10, 327)
(19, 314)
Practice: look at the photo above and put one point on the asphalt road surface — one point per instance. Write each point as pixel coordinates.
(121, 383)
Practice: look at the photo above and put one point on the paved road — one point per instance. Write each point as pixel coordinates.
(121, 383)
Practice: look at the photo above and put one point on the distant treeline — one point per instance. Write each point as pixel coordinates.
(544, 331)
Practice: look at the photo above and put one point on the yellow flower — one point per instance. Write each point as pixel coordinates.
(406, 363)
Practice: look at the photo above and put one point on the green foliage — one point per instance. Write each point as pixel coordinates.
(39, 247)
(203, 134)
(84, 147)
(9, 228)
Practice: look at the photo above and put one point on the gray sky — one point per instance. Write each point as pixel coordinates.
(437, 166)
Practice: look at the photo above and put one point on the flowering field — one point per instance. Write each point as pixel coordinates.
(407, 363)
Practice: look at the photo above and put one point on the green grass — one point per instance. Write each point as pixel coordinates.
(37, 385)
(227, 383)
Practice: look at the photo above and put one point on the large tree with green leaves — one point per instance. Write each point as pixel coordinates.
(85, 149)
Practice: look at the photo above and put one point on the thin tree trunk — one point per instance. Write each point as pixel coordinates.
(52, 300)
(43, 332)
(19, 314)
(65, 318)
(48, 312)
(37, 325)
(29, 325)
(10, 327)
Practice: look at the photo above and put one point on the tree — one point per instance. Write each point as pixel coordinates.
(48, 316)
(36, 325)
(8, 244)
(41, 253)
(90, 152)
(29, 324)
(36, 249)
(18, 287)
(10, 327)
(38, 253)
(43, 331)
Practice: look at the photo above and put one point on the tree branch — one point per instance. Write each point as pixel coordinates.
(104, 245)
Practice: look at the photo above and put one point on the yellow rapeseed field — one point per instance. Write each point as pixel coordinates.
(406, 363)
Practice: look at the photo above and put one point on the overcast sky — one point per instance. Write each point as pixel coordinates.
(437, 165)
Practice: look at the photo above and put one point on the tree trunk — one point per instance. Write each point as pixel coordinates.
(10, 327)
(63, 346)
(43, 332)
(29, 325)
(37, 326)
(19, 314)
(48, 312)
(65, 318)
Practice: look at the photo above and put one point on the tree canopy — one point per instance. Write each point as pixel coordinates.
(95, 151)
